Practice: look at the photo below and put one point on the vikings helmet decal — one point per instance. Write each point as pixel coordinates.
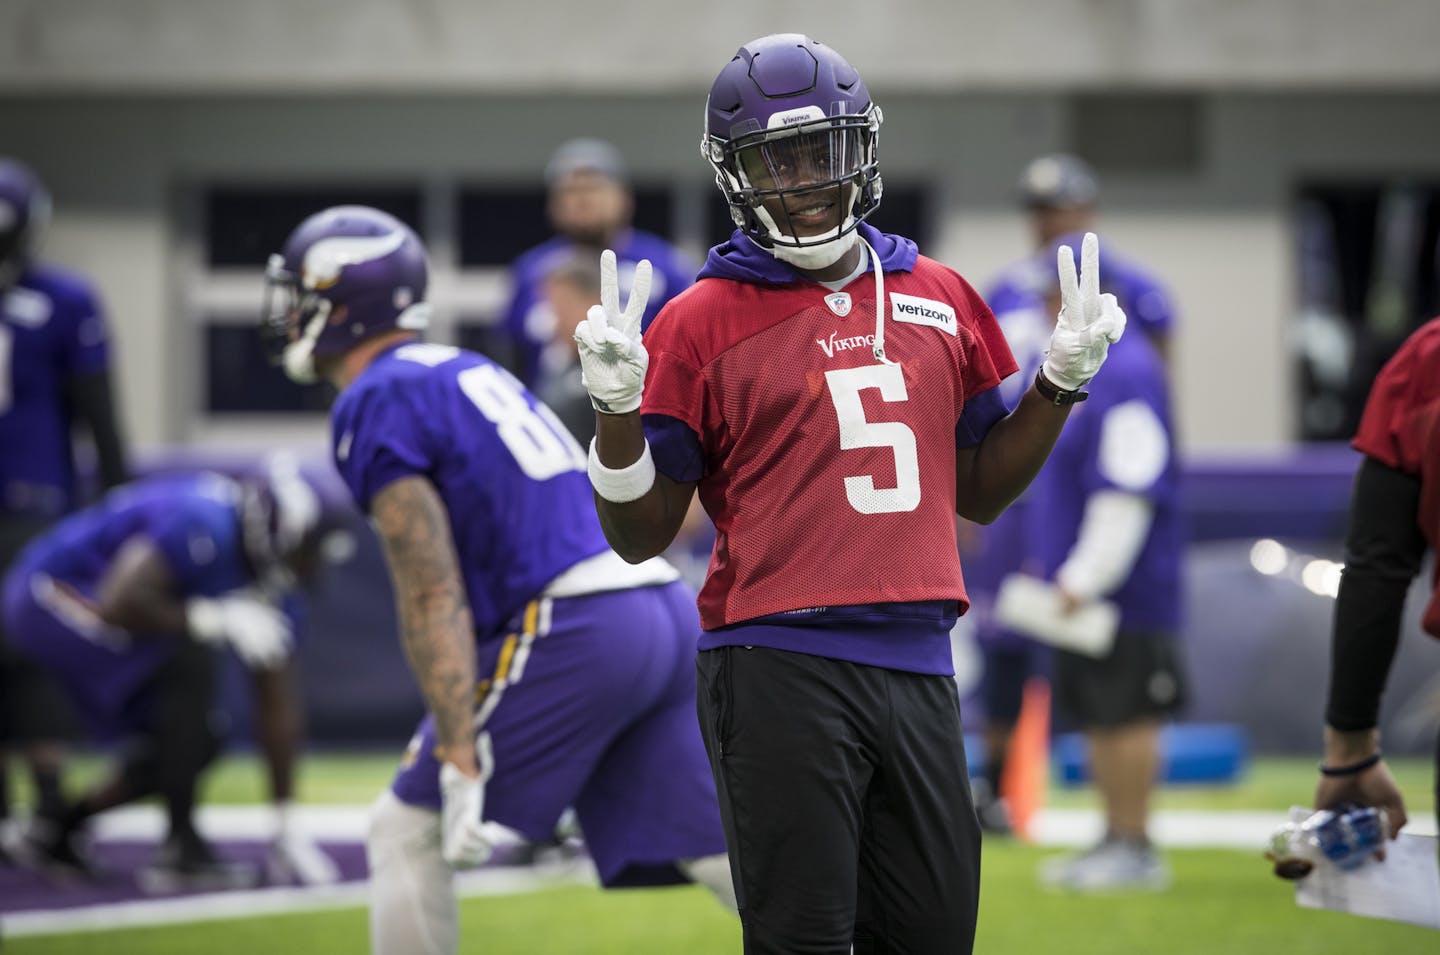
(345, 274)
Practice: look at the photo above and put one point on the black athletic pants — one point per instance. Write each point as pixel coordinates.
(845, 801)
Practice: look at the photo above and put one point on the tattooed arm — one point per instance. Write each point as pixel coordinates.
(435, 625)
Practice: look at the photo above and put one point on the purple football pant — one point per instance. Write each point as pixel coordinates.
(590, 702)
(105, 672)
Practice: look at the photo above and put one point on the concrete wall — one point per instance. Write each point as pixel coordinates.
(1221, 235)
(209, 46)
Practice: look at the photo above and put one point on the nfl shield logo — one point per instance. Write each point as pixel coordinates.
(839, 303)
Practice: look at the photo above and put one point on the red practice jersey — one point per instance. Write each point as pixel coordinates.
(830, 476)
(1401, 428)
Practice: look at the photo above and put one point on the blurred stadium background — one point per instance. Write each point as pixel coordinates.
(1276, 162)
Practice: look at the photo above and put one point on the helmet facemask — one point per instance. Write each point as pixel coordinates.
(292, 321)
(801, 189)
(280, 514)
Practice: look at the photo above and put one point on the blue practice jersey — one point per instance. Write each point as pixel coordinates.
(528, 318)
(512, 478)
(51, 331)
(1128, 409)
(193, 520)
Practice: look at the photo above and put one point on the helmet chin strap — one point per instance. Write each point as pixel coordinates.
(819, 255)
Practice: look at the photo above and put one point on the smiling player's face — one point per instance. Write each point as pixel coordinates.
(804, 169)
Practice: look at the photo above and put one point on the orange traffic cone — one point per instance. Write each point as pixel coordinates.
(1027, 760)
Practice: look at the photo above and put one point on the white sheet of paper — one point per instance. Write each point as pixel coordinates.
(1031, 606)
(1403, 888)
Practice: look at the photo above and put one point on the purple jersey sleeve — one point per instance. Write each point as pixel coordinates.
(380, 438)
(1145, 300)
(979, 416)
(675, 448)
(1130, 415)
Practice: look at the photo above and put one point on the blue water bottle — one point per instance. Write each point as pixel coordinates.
(1346, 835)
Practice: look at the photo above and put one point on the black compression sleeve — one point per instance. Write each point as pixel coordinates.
(93, 399)
(1383, 551)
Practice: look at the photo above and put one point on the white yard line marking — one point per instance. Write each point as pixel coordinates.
(1176, 829)
(281, 900)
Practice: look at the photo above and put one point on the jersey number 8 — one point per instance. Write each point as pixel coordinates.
(537, 440)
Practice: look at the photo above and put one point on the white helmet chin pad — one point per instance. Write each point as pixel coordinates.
(812, 255)
(299, 362)
(298, 358)
(822, 255)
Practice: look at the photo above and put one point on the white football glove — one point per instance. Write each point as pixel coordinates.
(256, 628)
(463, 841)
(293, 859)
(1089, 323)
(612, 360)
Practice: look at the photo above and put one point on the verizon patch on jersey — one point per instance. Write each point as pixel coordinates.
(922, 311)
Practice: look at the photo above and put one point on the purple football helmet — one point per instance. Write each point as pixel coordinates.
(791, 133)
(282, 520)
(24, 214)
(345, 275)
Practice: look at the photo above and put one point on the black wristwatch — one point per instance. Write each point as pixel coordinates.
(1056, 395)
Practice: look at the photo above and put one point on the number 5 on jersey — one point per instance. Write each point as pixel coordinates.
(845, 385)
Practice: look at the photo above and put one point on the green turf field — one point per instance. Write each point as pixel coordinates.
(1223, 901)
(1270, 783)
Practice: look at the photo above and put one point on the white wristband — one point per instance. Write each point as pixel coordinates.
(621, 485)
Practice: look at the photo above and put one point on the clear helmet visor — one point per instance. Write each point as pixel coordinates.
(282, 301)
(803, 161)
(803, 186)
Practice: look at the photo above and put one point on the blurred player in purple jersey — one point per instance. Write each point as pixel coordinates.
(833, 396)
(1060, 195)
(555, 674)
(124, 602)
(1103, 521)
(54, 375)
(590, 206)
